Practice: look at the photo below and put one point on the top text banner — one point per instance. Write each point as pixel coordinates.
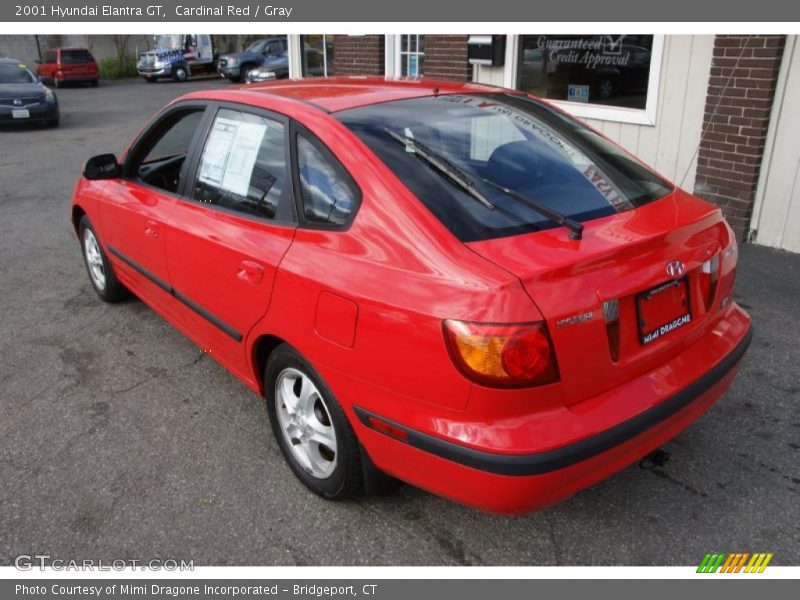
(405, 11)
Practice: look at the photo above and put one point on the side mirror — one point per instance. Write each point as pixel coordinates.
(102, 166)
(38, 62)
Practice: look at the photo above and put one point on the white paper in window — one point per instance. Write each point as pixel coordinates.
(230, 154)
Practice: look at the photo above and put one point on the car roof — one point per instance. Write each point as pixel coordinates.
(71, 48)
(9, 61)
(333, 94)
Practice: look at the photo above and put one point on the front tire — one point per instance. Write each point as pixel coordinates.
(101, 275)
(243, 71)
(311, 428)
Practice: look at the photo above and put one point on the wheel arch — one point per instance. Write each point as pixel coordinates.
(263, 346)
(77, 214)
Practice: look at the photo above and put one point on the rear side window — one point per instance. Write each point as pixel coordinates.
(76, 56)
(243, 166)
(328, 197)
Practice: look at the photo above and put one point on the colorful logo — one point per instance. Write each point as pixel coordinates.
(734, 562)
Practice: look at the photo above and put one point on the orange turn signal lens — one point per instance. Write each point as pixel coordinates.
(514, 355)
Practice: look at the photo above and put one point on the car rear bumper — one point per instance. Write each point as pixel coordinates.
(501, 479)
(82, 78)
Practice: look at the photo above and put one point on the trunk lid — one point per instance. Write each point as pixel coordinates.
(620, 258)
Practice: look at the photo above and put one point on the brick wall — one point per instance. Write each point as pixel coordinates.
(446, 57)
(358, 55)
(744, 72)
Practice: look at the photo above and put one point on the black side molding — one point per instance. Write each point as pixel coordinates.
(545, 462)
(214, 320)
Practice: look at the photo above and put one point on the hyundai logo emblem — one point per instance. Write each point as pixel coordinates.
(675, 268)
(17, 102)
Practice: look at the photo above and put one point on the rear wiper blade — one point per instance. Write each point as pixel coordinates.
(442, 165)
(575, 228)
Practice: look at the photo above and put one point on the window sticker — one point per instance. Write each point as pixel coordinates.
(230, 154)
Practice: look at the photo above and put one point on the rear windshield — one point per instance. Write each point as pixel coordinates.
(76, 56)
(514, 141)
(16, 73)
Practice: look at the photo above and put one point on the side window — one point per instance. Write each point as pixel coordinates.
(243, 166)
(50, 57)
(328, 198)
(160, 156)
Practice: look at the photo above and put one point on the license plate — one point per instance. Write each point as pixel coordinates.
(20, 113)
(663, 309)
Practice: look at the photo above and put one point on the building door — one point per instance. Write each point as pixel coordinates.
(776, 218)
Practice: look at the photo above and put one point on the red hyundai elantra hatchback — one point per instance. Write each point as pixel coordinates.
(458, 285)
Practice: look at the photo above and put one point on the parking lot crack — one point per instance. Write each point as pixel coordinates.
(158, 374)
(667, 477)
(410, 530)
(140, 382)
(551, 529)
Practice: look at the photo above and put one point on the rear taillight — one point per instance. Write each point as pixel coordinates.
(611, 317)
(708, 278)
(515, 355)
(729, 259)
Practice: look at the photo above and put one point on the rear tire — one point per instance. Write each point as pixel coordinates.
(180, 74)
(101, 274)
(311, 428)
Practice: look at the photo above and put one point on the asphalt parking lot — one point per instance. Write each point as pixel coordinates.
(120, 439)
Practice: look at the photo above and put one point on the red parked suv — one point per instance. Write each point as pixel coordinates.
(455, 284)
(60, 65)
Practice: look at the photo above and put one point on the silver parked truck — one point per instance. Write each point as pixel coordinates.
(178, 56)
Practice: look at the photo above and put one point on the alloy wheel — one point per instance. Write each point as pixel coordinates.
(306, 423)
(94, 259)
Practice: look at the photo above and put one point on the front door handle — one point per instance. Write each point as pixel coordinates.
(151, 228)
(250, 271)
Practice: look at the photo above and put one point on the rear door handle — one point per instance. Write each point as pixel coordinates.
(250, 271)
(151, 228)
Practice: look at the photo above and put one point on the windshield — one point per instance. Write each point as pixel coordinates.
(510, 140)
(169, 41)
(16, 73)
(256, 47)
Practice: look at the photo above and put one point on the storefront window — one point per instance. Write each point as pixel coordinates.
(610, 70)
(317, 55)
(411, 55)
